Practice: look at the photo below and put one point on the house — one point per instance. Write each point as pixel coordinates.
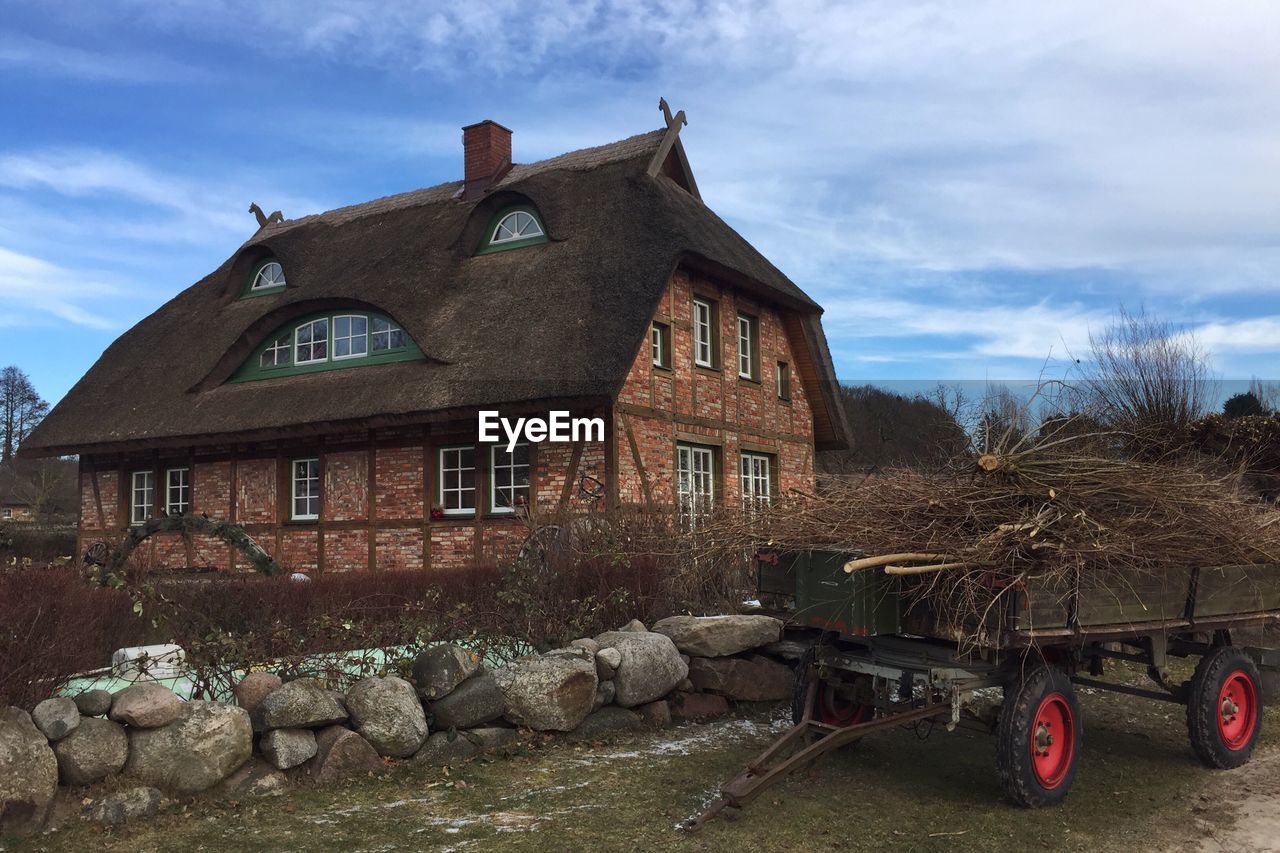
(41, 490)
(322, 386)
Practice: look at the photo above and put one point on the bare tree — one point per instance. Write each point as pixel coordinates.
(21, 408)
(1146, 377)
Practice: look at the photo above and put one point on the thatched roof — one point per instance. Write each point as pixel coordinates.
(556, 321)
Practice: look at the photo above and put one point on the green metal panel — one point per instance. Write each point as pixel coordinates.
(776, 573)
(864, 603)
(1228, 590)
(1049, 602)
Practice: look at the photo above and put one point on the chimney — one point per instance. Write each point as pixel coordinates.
(486, 151)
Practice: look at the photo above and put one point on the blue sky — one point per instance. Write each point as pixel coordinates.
(968, 188)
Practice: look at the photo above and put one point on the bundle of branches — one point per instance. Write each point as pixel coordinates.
(1056, 508)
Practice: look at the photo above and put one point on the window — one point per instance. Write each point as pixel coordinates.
(306, 489)
(757, 481)
(178, 495)
(784, 381)
(518, 225)
(748, 346)
(267, 276)
(142, 498)
(350, 336)
(457, 472)
(277, 352)
(660, 344)
(695, 479)
(509, 478)
(6, 514)
(386, 335)
(311, 342)
(704, 333)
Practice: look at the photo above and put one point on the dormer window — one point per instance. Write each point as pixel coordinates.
(328, 341)
(513, 228)
(267, 276)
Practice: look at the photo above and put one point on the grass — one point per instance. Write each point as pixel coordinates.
(1138, 787)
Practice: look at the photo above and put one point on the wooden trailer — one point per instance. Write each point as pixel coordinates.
(881, 663)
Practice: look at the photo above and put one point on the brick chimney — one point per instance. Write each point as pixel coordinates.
(486, 151)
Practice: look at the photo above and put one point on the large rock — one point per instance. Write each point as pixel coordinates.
(387, 713)
(145, 706)
(649, 666)
(607, 663)
(286, 748)
(750, 679)
(202, 747)
(492, 737)
(57, 717)
(342, 754)
(656, 713)
(115, 809)
(697, 706)
(300, 704)
(446, 748)
(255, 778)
(476, 701)
(718, 636)
(95, 750)
(94, 703)
(439, 669)
(607, 721)
(548, 693)
(28, 773)
(255, 687)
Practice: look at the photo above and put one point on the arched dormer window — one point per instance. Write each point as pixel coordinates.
(267, 277)
(328, 341)
(513, 228)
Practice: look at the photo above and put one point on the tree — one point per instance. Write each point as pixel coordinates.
(892, 430)
(21, 408)
(1243, 405)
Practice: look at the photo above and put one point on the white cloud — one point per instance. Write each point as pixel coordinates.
(45, 58)
(29, 284)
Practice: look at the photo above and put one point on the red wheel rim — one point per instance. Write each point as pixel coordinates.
(835, 710)
(1237, 710)
(1053, 740)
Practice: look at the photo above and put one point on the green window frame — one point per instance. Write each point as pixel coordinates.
(506, 227)
(266, 277)
(330, 340)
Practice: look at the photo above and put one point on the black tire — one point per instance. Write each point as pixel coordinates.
(1039, 738)
(833, 704)
(1224, 708)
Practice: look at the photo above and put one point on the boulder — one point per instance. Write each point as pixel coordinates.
(492, 737)
(255, 778)
(341, 754)
(750, 679)
(255, 687)
(606, 721)
(207, 742)
(285, 748)
(115, 809)
(300, 704)
(445, 748)
(719, 636)
(577, 652)
(57, 717)
(439, 669)
(145, 706)
(94, 703)
(477, 700)
(604, 695)
(656, 714)
(649, 666)
(548, 693)
(788, 649)
(387, 713)
(95, 750)
(607, 663)
(28, 773)
(634, 626)
(697, 706)
(586, 643)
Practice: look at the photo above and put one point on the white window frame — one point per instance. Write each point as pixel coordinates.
(658, 343)
(313, 492)
(783, 371)
(182, 505)
(703, 333)
(284, 344)
(142, 483)
(442, 467)
(261, 282)
(746, 347)
(494, 506)
(334, 337)
(375, 333)
(6, 514)
(328, 344)
(495, 240)
(756, 479)
(695, 478)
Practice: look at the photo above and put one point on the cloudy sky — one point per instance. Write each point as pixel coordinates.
(968, 188)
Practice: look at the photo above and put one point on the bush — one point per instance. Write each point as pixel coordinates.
(30, 544)
(53, 623)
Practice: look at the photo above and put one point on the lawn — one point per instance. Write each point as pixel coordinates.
(1139, 787)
